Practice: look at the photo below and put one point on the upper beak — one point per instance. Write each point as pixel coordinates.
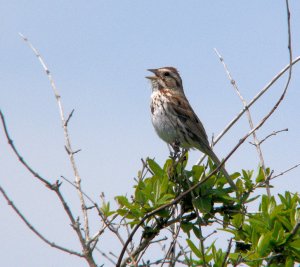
(152, 77)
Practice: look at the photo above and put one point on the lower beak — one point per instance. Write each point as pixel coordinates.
(151, 77)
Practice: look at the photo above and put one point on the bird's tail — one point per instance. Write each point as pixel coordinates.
(216, 160)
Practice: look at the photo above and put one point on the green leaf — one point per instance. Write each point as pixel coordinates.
(263, 245)
(261, 176)
(226, 220)
(168, 164)
(240, 185)
(252, 199)
(237, 220)
(196, 251)
(186, 227)
(235, 175)
(122, 201)
(164, 199)
(139, 197)
(295, 244)
(165, 184)
(276, 229)
(271, 206)
(165, 213)
(264, 204)
(136, 212)
(122, 212)
(258, 223)
(286, 223)
(247, 174)
(157, 170)
(203, 204)
(289, 262)
(197, 232)
(283, 200)
(197, 172)
(210, 248)
(106, 209)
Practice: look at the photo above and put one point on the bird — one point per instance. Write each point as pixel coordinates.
(174, 119)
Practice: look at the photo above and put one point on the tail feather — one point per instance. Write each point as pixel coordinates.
(216, 160)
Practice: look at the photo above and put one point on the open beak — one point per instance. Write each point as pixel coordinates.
(152, 77)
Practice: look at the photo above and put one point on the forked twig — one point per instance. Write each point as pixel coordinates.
(271, 134)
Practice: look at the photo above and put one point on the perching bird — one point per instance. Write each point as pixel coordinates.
(174, 119)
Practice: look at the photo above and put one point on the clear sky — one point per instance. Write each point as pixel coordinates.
(98, 52)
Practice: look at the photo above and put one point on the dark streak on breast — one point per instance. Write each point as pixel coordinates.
(152, 108)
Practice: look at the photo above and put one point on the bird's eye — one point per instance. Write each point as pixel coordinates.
(166, 74)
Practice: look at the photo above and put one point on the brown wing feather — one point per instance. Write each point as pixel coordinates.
(188, 117)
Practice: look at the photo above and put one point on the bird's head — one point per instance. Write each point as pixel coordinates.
(166, 78)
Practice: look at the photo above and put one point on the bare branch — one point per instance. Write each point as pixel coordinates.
(256, 141)
(105, 256)
(76, 151)
(69, 117)
(32, 228)
(227, 253)
(21, 159)
(209, 235)
(66, 134)
(54, 187)
(171, 250)
(284, 172)
(270, 135)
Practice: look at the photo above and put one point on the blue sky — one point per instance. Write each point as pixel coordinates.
(98, 52)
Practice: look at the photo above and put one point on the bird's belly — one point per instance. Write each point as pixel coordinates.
(164, 126)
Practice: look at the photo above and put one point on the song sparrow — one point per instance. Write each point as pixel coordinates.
(173, 117)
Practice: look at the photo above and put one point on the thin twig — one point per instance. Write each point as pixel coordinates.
(271, 134)
(227, 253)
(184, 253)
(209, 235)
(294, 231)
(32, 228)
(256, 141)
(66, 135)
(105, 256)
(284, 172)
(69, 117)
(21, 159)
(150, 243)
(107, 224)
(171, 249)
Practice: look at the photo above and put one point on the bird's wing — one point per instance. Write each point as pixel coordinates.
(188, 118)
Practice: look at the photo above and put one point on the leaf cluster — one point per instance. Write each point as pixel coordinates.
(268, 237)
